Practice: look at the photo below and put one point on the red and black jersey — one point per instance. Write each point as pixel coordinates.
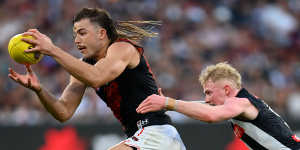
(268, 131)
(124, 94)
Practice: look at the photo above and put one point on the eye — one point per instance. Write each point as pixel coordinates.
(208, 93)
(82, 33)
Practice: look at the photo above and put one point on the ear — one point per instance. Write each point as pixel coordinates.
(101, 34)
(227, 89)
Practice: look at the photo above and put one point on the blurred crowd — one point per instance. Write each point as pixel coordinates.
(261, 38)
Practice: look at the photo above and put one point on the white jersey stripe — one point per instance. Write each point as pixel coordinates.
(260, 136)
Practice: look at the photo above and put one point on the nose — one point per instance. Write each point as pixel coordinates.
(207, 99)
(77, 40)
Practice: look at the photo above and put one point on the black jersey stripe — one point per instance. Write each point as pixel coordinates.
(252, 143)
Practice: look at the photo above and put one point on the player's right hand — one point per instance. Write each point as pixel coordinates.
(28, 80)
(151, 104)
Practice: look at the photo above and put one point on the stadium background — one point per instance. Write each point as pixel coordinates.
(259, 37)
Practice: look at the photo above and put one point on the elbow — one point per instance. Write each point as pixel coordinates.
(63, 117)
(211, 119)
(95, 85)
(92, 80)
(97, 82)
(62, 120)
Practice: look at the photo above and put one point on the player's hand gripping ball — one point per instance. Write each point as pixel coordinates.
(17, 47)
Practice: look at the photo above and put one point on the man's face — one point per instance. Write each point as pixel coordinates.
(87, 38)
(214, 92)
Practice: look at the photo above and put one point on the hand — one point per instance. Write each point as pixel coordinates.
(41, 42)
(29, 80)
(152, 103)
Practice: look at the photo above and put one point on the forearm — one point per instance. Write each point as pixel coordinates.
(197, 110)
(54, 106)
(82, 71)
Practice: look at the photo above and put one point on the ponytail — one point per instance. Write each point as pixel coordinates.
(136, 30)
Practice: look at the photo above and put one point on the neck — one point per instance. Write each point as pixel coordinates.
(103, 51)
(235, 92)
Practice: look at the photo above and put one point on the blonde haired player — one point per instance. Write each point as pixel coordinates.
(252, 120)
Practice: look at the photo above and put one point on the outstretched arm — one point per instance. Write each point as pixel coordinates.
(200, 111)
(62, 109)
(118, 57)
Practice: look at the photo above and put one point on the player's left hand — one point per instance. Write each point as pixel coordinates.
(41, 42)
(28, 80)
(152, 103)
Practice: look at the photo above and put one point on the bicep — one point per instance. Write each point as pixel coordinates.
(115, 62)
(232, 108)
(73, 94)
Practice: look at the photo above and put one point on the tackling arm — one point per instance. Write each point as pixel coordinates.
(210, 114)
(64, 108)
(197, 110)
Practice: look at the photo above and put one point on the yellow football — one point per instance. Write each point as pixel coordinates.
(16, 50)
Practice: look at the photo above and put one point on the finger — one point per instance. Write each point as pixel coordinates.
(143, 105)
(140, 109)
(29, 82)
(146, 110)
(30, 41)
(145, 102)
(28, 68)
(140, 106)
(159, 91)
(12, 72)
(33, 30)
(33, 34)
(12, 77)
(19, 80)
(31, 50)
(36, 32)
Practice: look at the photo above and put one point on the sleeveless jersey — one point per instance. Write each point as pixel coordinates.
(268, 131)
(124, 94)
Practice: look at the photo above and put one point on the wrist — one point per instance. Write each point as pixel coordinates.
(38, 90)
(56, 51)
(170, 103)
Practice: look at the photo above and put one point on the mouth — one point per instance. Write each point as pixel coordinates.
(81, 48)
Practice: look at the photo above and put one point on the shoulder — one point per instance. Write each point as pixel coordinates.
(237, 100)
(125, 52)
(122, 44)
(242, 103)
(247, 109)
(121, 47)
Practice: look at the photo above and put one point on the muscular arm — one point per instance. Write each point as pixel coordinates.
(63, 108)
(204, 112)
(200, 111)
(111, 66)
